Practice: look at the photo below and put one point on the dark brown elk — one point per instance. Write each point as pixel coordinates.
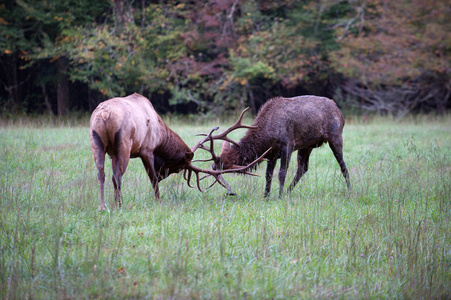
(129, 127)
(286, 125)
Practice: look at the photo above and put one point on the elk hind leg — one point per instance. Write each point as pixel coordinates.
(99, 158)
(121, 157)
(98, 150)
(119, 165)
(303, 158)
(337, 148)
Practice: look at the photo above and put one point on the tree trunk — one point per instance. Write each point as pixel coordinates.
(46, 100)
(122, 10)
(252, 100)
(10, 68)
(63, 98)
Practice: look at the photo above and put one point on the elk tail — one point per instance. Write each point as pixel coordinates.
(117, 142)
(97, 140)
(105, 115)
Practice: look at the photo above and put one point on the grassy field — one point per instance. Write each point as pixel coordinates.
(389, 237)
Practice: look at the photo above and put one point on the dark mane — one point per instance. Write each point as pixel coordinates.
(172, 148)
(256, 141)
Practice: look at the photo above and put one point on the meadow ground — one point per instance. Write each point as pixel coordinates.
(389, 237)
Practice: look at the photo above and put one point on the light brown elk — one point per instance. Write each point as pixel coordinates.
(129, 127)
(285, 125)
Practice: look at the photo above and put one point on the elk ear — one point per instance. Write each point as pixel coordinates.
(189, 156)
(225, 147)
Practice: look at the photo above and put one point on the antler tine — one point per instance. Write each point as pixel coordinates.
(213, 155)
(202, 141)
(223, 136)
(200, 145)
(249, 165)
(188, 177)
(212, 150)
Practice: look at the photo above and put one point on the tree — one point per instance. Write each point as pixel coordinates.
(390, 50)
(14, 46)
(281, 46)
(196, 56)
(32, 38)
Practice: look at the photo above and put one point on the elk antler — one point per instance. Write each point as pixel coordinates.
(223, 136)
(217, 174)
(200, 145)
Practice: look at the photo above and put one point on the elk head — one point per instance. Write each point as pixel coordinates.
(218, 167)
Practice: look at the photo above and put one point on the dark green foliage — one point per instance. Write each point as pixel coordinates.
(191, 56)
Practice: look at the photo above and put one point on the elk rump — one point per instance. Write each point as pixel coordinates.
(286, 125)
(127, 128)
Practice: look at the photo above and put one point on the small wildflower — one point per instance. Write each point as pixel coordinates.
(361, 255)
(121, 271)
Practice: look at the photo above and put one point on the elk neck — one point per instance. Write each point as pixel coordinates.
(252, 145)
(171, 147)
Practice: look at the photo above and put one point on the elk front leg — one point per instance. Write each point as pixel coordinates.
(285, 156)
(148, 161)
(271, 165)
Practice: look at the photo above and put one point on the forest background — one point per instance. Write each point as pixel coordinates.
(388, 57)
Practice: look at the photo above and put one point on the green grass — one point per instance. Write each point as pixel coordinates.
(390, 237)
